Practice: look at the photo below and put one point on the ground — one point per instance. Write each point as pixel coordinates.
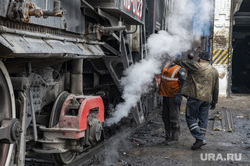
(145, 147)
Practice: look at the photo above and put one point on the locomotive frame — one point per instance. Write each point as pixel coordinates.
(60, 68)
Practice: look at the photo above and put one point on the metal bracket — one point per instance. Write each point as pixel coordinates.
(10, 130)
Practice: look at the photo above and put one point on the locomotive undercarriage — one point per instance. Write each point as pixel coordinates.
(56, 82)
(42, 85)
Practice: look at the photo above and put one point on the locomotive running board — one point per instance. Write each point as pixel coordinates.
(18, 43)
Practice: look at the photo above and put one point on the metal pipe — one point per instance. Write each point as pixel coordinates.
(56, 10)
(120, 35)
(132, 31)
(141, 41)
(116, 37)
(4, 29)
(230, 50)
(57, 55)
(33, 118)
(113, 28)
(87, 4)
(145, 45)
(46, 4)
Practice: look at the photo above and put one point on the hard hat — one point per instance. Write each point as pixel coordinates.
(179, 55)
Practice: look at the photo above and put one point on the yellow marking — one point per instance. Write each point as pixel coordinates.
(222, 57)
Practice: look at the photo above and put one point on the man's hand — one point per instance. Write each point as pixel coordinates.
(178, 99)
(212, 106)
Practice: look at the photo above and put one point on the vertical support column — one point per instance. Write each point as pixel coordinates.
(221, 59)
(21, 144)
(77, 77)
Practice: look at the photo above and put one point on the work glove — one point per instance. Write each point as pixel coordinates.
(178, 99)
(212, 106)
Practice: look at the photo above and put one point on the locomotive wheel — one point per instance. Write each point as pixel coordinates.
(66, 157)
(63, 158)
(7, 110)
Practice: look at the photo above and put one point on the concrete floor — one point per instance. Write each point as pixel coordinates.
(145, 147)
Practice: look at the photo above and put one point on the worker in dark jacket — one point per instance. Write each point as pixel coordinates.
(173, 77)
(201, 88)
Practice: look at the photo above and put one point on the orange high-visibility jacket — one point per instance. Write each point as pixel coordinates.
(169, 85)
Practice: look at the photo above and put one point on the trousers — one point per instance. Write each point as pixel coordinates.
(171, 119)
(197, 117)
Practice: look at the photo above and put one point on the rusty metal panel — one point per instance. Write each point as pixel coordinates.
(4, 7)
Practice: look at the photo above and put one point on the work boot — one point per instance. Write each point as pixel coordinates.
(166, 140)
(198, 143)
(175, 136)
(204, 142)
(171, 141)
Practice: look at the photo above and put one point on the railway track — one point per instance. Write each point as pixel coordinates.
(93, 154)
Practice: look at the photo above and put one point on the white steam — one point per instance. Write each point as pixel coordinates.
(178, 38)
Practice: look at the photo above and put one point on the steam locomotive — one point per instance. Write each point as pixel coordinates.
(60, 68)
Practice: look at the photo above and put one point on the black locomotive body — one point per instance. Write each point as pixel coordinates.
(60, 68)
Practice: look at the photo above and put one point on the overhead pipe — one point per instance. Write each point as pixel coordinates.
(4, 29)
(87, 4)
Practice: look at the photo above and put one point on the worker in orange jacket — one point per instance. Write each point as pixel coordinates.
(172, 79)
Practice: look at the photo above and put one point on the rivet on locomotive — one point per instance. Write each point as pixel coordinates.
(60, 68)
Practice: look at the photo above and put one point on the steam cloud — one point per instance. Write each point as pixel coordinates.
(177, 39)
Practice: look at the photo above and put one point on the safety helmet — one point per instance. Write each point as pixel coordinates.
(205, 55)
(179, 55)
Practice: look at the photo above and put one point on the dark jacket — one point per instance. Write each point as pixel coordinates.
(202, 81)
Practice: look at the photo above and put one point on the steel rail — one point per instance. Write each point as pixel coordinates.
(87, 158)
